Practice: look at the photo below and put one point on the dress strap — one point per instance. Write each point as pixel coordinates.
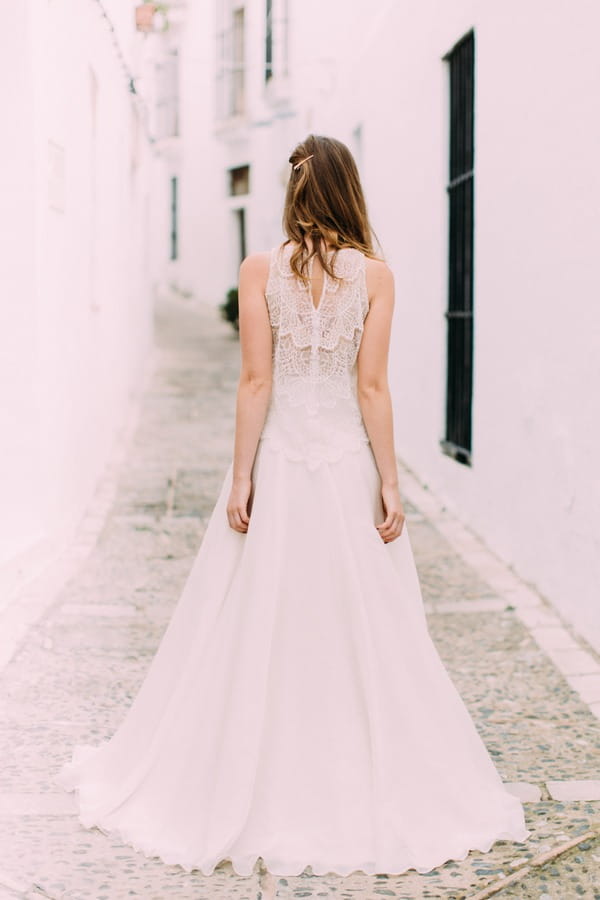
(273, 268)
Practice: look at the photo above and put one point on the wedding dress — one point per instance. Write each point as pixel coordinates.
(296, 708)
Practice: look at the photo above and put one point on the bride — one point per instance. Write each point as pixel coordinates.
(296, 709)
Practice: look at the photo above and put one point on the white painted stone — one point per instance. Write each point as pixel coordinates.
(109, 610)
(554, 637)
(501, 580)
(489, 569)
(573, 662)
(486, 604)
(521, 596)
(574, 790)
(536, 616)
(595, 708)
(587, 686)
(51, 804)
(526, 792)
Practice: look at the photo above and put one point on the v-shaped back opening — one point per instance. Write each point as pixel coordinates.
(313, 292)
(317, 293)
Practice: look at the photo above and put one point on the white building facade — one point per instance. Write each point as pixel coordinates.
(85, 239)
(474, 129)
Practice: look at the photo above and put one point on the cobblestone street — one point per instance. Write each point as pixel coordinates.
(72, 657)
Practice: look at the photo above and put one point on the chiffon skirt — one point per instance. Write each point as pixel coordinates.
(296, 709)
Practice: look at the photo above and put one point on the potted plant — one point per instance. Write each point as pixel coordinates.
(230, 308)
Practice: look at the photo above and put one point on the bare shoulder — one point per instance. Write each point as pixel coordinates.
(255, 266)
(380, 277)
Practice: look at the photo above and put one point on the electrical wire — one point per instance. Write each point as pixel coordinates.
(129, 76)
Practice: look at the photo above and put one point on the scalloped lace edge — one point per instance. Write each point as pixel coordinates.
(306, 343)
(294, 868)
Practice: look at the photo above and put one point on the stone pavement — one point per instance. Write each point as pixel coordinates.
(72, 657)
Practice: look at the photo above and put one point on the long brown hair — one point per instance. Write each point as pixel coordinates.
(325, 204)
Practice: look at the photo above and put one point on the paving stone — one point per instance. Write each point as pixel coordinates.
(595, 709)
(532, 722)
(487, 604)
(97, 609)
(554, 637)
(587, 686)
(574, 662)
(522, 597)
(574, 790)
(526, 792)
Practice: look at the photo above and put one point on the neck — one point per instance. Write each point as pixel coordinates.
(329, 248)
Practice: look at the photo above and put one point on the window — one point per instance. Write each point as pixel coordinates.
(174, 217)
(459, 314)
(240, 215)
(276, 48)
(230, 80)
(269, 41)
(239, 181)
(237, 68)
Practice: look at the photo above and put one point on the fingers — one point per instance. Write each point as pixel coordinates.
(238, 519)
(388, 521)
(391, 527)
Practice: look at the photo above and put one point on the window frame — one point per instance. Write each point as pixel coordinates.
(460, 189)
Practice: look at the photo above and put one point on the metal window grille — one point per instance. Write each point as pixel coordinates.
(269, 41)
(174, 217)
(459, 314)
(241, 224)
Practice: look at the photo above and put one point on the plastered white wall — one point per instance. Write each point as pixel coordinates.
(78, 271)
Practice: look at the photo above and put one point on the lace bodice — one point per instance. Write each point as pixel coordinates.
(314, 414)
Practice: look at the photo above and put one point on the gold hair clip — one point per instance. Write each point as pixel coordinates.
(302, 161)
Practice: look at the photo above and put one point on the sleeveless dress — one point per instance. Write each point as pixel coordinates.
(296, 708)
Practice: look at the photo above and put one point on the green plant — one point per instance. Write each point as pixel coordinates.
(230, 308)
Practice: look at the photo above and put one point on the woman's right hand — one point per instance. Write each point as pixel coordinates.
(391, 527)
(238, 505)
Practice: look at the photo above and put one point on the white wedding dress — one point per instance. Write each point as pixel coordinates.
(296, 708)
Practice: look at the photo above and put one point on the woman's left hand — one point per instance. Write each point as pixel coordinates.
(391, 527)
(238, 505)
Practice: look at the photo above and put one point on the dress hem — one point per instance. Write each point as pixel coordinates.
(246, 868)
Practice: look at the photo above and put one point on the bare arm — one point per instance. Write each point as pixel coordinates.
(374, 395)
(254, 388)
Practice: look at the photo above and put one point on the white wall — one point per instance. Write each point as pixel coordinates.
(19, 402)
(77, 266)
(538, 280)
(533, 490)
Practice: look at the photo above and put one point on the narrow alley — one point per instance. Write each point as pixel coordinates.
(73, 660)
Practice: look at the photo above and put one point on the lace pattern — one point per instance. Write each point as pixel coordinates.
(314, 414)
